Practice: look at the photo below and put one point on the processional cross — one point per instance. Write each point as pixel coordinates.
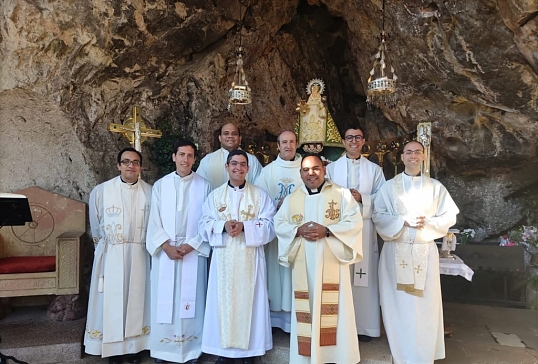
(135, 130)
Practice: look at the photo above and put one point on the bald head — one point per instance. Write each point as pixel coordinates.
(287, 145)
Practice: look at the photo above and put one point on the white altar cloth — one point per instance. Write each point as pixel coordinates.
(455, 267)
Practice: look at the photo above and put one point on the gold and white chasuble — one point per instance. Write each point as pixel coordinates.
(323, 323)
(237, 312)
(118, 309)
(409, 283)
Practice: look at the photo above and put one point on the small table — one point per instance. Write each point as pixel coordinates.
(454, 267)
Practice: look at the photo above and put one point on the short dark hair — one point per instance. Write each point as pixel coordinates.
(236, 152)
(129, 149)
(312, 155)
(355, 127)
(184, 143)
(412, 141)
(229, 122)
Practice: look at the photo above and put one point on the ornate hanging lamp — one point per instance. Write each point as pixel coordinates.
(239, 93)
(382, 80)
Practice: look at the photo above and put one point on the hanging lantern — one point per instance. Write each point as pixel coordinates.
(382, 81)
(239, 93)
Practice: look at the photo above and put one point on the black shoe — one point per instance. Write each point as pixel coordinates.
(115, 359)
(159, 361)
(132, 358)
(249, 360)
(365, 338)
(224, 360)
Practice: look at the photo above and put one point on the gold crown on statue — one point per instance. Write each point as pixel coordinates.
(113, 211)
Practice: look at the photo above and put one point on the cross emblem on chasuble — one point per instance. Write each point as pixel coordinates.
(360, 273)
(247, 214)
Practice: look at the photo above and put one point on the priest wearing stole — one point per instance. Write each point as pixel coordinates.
(280, 178)
(212, 165)
(319, 236)
(410, 211)
(179, 260)
(237, 220)
(364, 179)
(118, 320)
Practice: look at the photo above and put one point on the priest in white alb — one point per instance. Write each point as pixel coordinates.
(280, 178)
(410, 211)
(212, 165)
(179, 261)
(237, 221)
(364, 179)
(319, 236)
(118, 323)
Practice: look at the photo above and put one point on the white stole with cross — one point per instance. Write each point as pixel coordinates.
(236, 266)
(126, 212)
(172, 203)
(365, 188)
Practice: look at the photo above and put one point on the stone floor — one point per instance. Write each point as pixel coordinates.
(482, 335)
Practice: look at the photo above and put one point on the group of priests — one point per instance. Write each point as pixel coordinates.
(210, 261)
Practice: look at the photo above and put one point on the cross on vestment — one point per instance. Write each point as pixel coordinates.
(259, 224)
(403, 264)
(135, 130)
(247, 214)
(144, 225)
(418, 269)
(360, 273)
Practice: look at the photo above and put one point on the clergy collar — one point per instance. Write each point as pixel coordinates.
(316, 190)
(237, 187)
(348, 157)
(190, 173)
(418, 175)
(129, 183)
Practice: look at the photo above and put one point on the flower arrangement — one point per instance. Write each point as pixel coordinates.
(466, 235)
(527, 236)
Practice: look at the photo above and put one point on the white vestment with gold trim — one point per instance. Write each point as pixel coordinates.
(414, 323)
(346, 245)
(119, 302)
(280, 178)
(237, 322)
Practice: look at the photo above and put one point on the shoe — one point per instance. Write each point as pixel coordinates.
(365, 338)
(249, 360)
(159, 360)
(132, 358)
(115, 359)
(224, 360)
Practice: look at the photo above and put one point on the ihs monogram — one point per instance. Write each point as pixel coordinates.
(332, 213)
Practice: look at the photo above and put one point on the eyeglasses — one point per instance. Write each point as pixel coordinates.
(238, 164)
(358, 138)
(126, 163)
(415, 152)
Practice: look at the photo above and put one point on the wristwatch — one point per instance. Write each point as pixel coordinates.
(328, 231)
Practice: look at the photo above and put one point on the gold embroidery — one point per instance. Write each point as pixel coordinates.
(297, 219)
(222, 208)
(247, 213)
(332, 213)
(178, 340)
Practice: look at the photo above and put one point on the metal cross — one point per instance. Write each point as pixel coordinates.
(135, 130)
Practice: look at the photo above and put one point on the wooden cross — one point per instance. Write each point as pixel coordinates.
(360, 273)
(135, 130)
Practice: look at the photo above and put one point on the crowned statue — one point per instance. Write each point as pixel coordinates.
(316, 128)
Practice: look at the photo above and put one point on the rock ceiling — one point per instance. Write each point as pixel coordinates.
(69, 68)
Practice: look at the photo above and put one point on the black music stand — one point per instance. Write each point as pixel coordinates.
(14, 210)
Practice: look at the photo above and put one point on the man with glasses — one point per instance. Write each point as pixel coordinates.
(212, 165)
(237, 220)
(410, 211)
(118, 323)
(179, 260)
(363, 178)
(280, 178)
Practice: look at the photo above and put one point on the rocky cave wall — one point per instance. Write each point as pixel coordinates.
(69, 68)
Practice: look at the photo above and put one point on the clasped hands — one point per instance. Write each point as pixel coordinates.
(176, 252)
(416, 222)
(233, 227)
(312, 231)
